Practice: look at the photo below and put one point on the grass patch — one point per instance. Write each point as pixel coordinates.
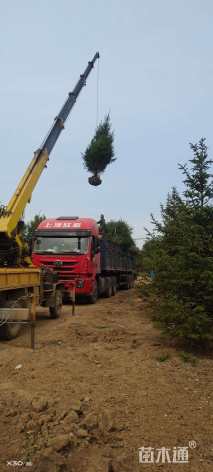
(103, 327)
(188, 358)
(163, 357)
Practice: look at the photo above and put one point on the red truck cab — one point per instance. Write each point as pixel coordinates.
(71, 247)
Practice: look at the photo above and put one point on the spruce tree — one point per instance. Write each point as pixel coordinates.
(182, 255)
(100, 152)
(121, 233)
(198, 182)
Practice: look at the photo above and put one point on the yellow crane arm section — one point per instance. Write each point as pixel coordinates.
(23, 193)
(9, 228)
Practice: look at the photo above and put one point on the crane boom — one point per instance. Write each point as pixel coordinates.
(15, 208)
(60, 119)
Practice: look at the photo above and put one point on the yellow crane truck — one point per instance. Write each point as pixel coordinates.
(22, 286)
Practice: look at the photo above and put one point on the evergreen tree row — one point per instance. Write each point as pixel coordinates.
(179, 251)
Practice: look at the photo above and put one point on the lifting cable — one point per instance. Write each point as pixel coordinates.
(98, 93)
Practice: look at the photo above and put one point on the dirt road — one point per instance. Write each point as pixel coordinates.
(98, 387)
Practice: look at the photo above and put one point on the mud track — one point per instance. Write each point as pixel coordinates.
(99, 386)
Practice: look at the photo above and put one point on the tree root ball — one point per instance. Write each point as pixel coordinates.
(95, 180)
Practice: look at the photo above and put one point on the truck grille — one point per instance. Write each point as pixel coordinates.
(64, 269)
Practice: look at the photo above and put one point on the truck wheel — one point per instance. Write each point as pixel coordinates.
(126, 285)
(9, 330)
(55, 311)
(114, 286)
(94, 295)
(132, 283)
(108, 291)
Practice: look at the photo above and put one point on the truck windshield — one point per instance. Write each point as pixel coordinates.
(60, 245)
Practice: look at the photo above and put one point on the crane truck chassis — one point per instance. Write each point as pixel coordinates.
(21, 290)
(22, 285)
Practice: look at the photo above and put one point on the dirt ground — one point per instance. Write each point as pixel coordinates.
(99, 386)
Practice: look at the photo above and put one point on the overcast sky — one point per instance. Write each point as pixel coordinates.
(156, 79)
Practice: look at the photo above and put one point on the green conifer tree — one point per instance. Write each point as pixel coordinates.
(182, 255)
(100, 152)
(198, 182)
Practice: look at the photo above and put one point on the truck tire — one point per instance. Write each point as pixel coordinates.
(108, 290)
(94, 295)
(55, 311)
(8, 330)
(114, 286)
(126, 285)
(101, 286)
(132, 282)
